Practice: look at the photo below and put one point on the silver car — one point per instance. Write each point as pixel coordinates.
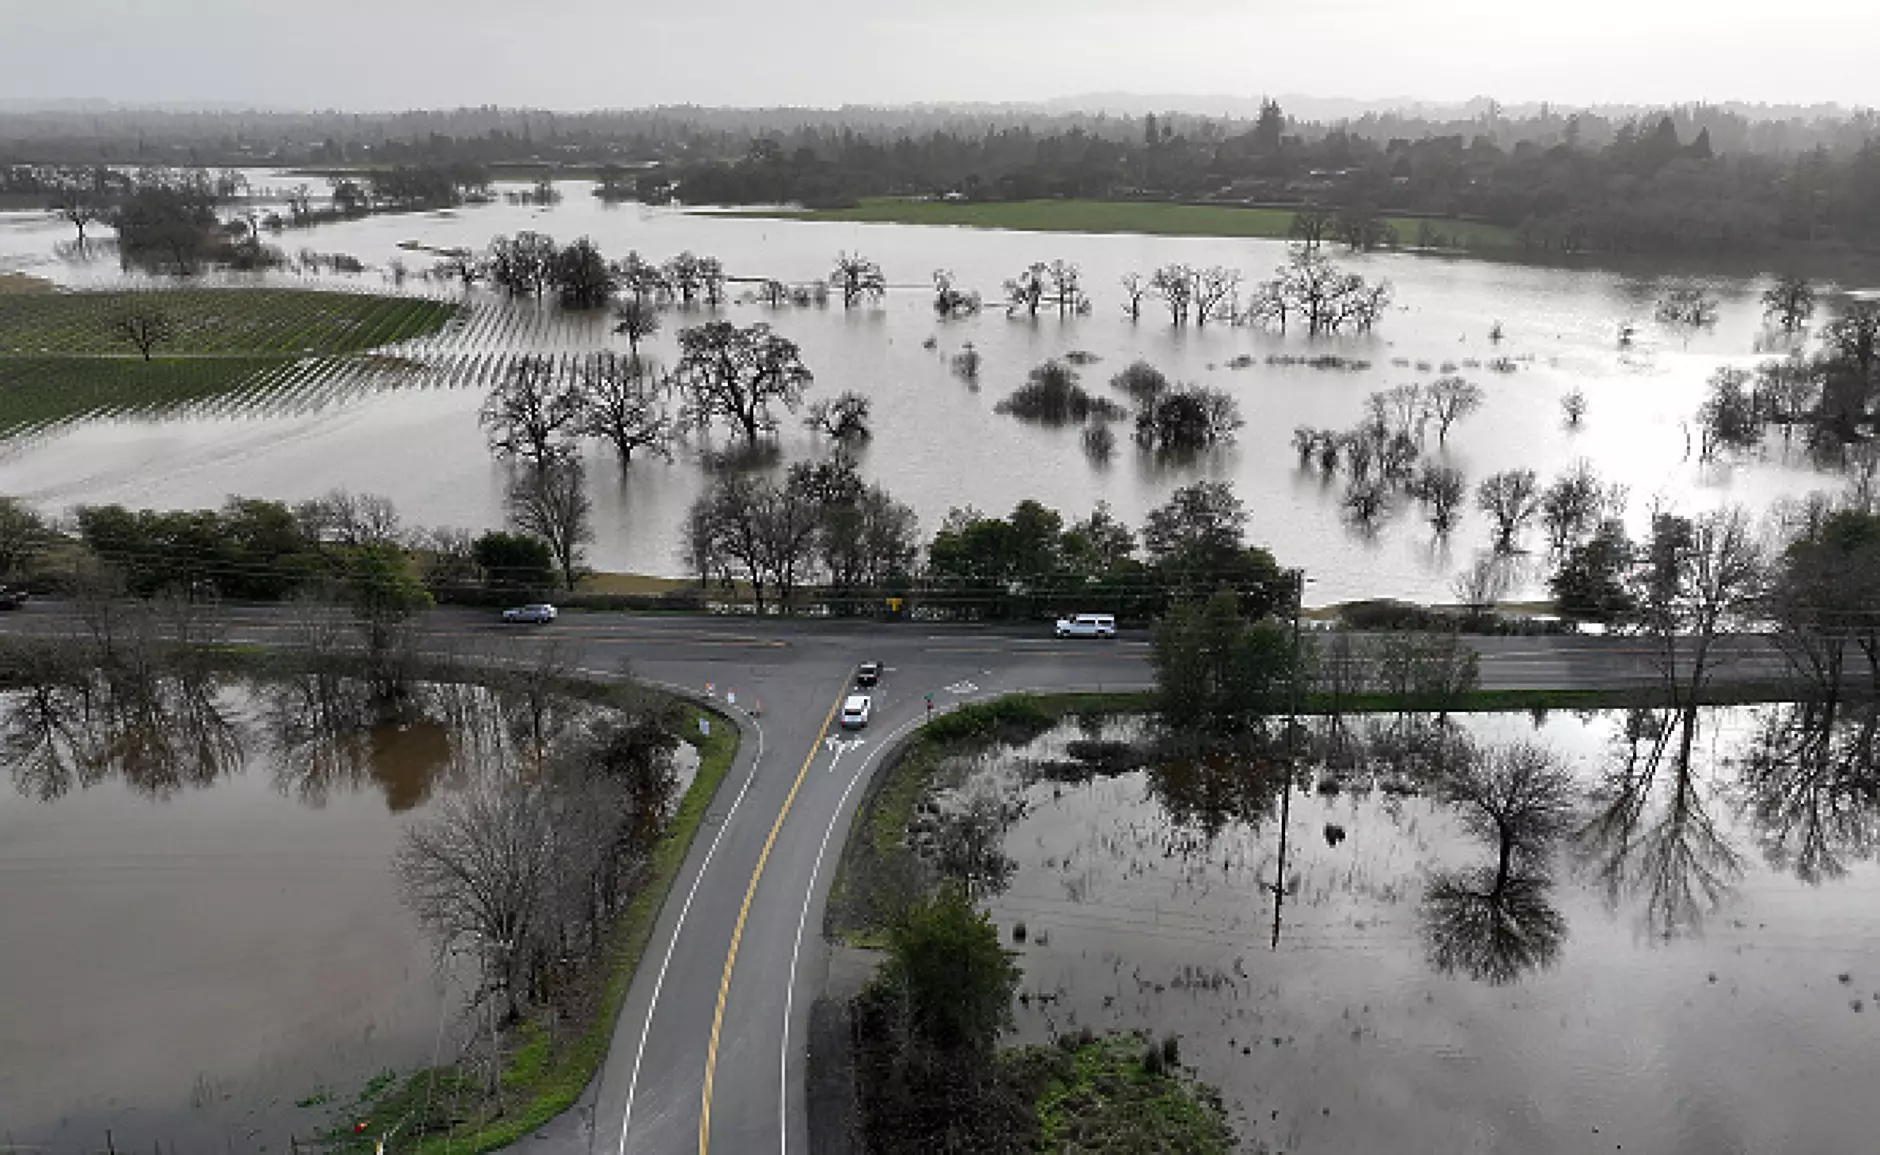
(541, 613)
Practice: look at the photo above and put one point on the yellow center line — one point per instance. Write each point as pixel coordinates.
(737, 933)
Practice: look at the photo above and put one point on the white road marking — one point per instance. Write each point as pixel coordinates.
(652, 1008)
(838, 746)
(796, 948)
(962, 688)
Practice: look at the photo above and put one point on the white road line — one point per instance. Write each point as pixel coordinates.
(789, 990)
(652, 1008)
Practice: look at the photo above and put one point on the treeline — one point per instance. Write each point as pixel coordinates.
(1697, 179)
(819, 536)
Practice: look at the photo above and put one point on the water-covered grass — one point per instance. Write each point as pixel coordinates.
(1155, 218)
(242, 322)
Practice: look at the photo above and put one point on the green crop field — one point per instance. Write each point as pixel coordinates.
(1156, 218)
(60, 359)
(289, 322)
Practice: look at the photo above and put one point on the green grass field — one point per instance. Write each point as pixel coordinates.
(1155, 218)
(60, 360)
(290, 322)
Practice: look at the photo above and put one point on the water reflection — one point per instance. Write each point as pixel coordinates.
(1653, 833)
(158, 733)
(64, 726)
(1811, 783)
(1492, 927)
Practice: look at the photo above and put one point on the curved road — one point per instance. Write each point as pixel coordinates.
(708, 1050)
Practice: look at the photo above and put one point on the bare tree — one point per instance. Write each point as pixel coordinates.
(479, 872)
(1066, 291)
(1687, 305)
(1510, 498)
(1572, 506)
(144, 326)
(77, 207)
(1480, 586)
(550, 501)
(1573, 406)
(1791, 301)
(23, 536)
(856, 277)
(636, 319)
(948, 299)
(1310, 224)
(1175, 284)
(1026, 292)
(530, 413)
(625, 401)
(739, 374)
(844, 418)
(1441, 490)
(1213, 292)
(1450, 400)
(1134, 288)
(523, 266)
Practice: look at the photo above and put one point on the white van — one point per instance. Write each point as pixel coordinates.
(1087, 626)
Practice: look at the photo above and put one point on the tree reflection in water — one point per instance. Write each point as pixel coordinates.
(331, 733)
(1492, 928)
(1652, 834)
(1811, 787)
(1497, 922)
(66, 725)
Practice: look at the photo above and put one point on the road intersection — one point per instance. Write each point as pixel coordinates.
(708, 1050)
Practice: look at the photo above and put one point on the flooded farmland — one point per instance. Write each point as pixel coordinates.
(938, 441)
(1690, 968)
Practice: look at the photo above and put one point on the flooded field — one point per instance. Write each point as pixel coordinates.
(206, 945)
(1691, 968)
(938, 441)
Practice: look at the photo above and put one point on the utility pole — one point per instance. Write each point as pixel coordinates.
(1292, 757)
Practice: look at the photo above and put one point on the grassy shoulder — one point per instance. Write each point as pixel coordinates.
(1153, 218)
(1119, 1093)
(544, 1072)
(218, 322)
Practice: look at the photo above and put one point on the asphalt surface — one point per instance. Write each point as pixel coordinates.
(708, 1051)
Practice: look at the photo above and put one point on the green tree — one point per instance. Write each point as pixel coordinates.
(1216, 671)
(955, 980)
(514, 564)
(1589, 585)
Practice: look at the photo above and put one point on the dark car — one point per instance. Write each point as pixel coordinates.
(868, 673)
(11, 597)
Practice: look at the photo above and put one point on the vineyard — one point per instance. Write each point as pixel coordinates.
(65, 357)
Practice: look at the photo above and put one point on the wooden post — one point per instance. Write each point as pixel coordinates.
(108, 1144)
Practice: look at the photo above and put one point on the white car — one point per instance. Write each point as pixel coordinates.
(1087, 626)
(541, 613)
(855, 711)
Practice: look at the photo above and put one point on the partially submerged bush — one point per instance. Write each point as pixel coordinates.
(1051, 394)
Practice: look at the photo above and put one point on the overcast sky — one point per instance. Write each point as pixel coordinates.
(573, 54)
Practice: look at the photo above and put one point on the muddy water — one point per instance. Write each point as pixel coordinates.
(938, 442)
(195, 946)
(1750, 1026)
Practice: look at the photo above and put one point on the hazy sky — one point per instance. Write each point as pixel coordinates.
(614, 53)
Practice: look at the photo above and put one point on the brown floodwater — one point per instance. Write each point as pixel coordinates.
(202, 942)
(1707, 984)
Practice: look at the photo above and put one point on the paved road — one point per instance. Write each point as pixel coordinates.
(708, 1050)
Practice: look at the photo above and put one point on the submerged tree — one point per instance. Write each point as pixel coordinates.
(857, 277)
(1790, 301)
(1510, 498)
(550, 501)
(531, 412)
(739, 374)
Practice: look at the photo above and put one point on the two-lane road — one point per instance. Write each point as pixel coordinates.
(708, 1049)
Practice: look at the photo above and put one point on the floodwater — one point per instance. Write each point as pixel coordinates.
(1607, 1014)
(938, 442)
(205, 944)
